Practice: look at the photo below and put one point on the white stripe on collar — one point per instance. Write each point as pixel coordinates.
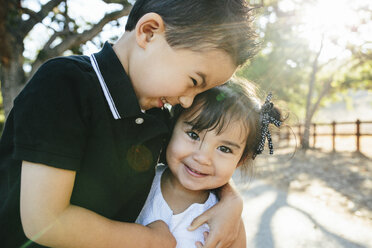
(106, 92)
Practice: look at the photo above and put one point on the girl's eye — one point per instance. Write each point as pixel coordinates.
(192, 135)
(194, 82)
(224, 149)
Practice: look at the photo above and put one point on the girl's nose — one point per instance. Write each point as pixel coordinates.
(186, 101)
(202, 156)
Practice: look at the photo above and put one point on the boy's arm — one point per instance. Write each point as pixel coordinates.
(223, 218)
(240, 241)
(48, 217)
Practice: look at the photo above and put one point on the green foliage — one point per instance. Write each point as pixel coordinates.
(285, 64)
(359, 76)
(282, 66)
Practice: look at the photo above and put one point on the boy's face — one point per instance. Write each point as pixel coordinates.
(161, 74)
(204, 160)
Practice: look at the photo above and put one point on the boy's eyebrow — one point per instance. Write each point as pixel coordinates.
(203, 76)
(186, 122)
(231, 143)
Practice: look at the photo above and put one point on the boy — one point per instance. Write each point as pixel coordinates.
(79, 147)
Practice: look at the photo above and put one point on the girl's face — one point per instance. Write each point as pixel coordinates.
(205, 160)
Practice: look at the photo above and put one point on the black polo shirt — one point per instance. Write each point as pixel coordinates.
(66, 118)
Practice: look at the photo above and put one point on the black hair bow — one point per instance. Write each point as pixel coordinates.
(266, 117)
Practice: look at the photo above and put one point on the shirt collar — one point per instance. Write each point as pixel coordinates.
(117, 83)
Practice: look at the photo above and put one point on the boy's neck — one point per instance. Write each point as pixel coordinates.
(123, 48)
(178, 197)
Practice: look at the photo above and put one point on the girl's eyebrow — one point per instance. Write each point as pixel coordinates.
(231, 143)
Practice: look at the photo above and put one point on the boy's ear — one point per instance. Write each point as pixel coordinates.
(147, 26)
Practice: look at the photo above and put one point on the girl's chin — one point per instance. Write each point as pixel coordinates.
(188, 185)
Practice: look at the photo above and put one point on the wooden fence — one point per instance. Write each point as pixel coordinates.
(315, 132)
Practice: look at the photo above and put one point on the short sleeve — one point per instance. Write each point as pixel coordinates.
(50, 116)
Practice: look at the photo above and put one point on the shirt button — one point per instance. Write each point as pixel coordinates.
(139, 121)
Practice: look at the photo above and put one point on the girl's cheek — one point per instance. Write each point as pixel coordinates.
(176, 148)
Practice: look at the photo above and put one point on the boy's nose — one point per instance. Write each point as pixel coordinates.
(186, 101)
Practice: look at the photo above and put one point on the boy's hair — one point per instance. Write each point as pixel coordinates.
(203, 24)
(235, 100)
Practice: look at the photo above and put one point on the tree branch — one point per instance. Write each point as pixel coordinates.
(326, 63)
(325, 90)
(74, 39)
(122, 2)
(67, 18)
(322, 94)
(308, 116)
(29, 12)
(38, 17)
(312, 82)
(52, 38)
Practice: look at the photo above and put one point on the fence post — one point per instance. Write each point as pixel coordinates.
(314, 135)
(357, 135)
(334, 136)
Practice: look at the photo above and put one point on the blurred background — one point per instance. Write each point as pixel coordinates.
(316, 58)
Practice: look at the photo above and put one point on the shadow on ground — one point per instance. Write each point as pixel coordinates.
(264, 236)
(340, 179)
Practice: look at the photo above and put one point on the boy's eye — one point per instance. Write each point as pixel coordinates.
(192, 135)
(194, 82)
(224, 149)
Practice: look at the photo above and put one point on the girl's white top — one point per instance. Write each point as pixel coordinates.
(156, 208)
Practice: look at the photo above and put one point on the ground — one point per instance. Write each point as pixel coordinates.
(342, 180)
(312, 199)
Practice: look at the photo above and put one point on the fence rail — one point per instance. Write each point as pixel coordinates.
(314, 132)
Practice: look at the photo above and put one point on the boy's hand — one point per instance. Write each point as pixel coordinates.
(223, 219)
(162, 236)
(200, 244)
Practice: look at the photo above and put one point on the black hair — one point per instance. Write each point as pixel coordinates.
(214, 109)
(203, 24)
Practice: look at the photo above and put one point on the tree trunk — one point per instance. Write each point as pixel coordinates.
(308, 117)
(13, 30)
(306, 135)
(12, 77)
(309, 114)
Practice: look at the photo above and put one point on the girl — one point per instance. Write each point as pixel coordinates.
(224, 129)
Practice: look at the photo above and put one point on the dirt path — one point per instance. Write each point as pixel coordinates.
(310, 200)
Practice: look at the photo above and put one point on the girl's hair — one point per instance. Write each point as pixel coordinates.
(235, 100)
(203, 24)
